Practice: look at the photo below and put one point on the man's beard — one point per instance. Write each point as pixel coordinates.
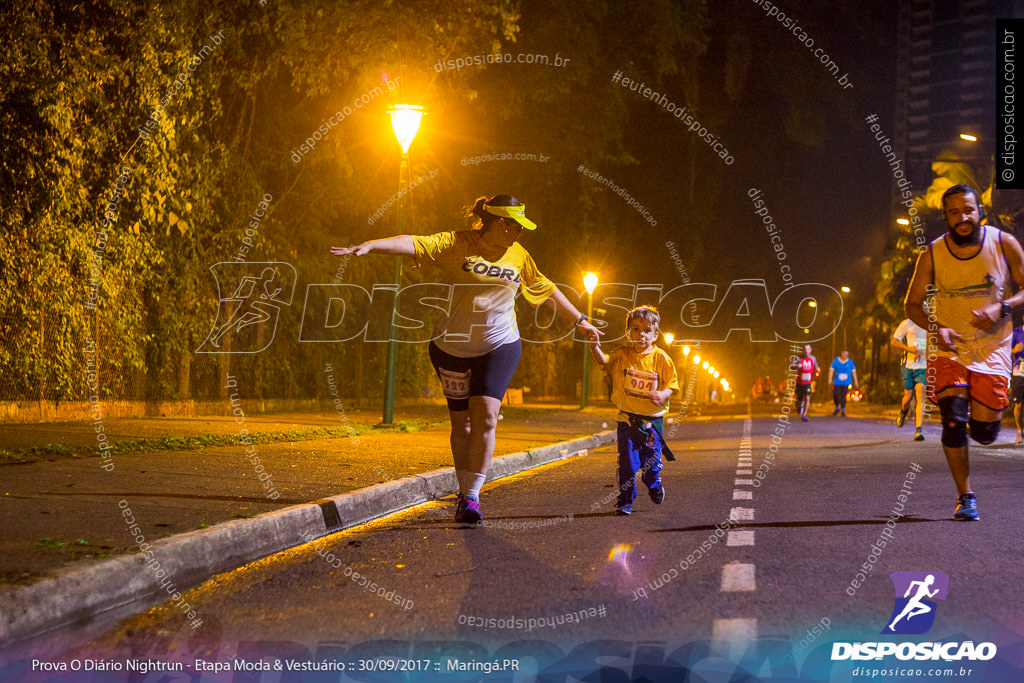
(974, 237)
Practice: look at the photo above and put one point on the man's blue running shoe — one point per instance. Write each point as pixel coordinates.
(658, 494)
(626, 509)
(966, 508)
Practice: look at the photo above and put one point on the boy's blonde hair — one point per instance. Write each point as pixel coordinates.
(648, 313)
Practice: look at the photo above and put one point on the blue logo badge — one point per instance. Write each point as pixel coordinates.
(914, 611)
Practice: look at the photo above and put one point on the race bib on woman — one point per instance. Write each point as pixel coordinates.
(455, 385)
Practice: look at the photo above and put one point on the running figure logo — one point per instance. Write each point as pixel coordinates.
(914, 612)
(258, 290)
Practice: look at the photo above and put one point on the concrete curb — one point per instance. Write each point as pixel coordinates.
(77, 596)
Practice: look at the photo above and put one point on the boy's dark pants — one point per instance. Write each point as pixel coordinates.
(635, 454)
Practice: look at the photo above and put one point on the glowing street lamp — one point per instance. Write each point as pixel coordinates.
(903, 221)
(705, 365)
(590, 283)
(405, 121)
(968, 137)
(686, 350)
(696, 358)
(669, 338)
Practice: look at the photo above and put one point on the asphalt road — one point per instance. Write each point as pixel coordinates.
(778, 565)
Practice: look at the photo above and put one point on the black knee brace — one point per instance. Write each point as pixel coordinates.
(954, 411)
(984, 432)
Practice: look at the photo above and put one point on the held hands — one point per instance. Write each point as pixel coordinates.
(987, 316)
(593, 334)
(358, 250)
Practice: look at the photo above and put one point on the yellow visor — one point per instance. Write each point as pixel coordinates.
(516, 213)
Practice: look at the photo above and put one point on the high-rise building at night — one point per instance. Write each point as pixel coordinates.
(945, 82)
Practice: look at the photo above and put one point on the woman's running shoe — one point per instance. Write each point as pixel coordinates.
(471, 513)
(460, 508)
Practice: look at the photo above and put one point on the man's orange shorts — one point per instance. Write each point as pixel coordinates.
(988, 390)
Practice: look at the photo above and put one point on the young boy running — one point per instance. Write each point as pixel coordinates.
(643, 379)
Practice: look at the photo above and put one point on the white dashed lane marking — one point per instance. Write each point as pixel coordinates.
(731, 636)
(740, 538)
(738, 577)
(742, 514)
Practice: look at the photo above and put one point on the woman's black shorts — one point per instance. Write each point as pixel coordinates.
(486, 375)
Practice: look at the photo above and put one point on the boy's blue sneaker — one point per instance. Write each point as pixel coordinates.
(472, 514)
(966, 508)
(624, 509)
(657, 494)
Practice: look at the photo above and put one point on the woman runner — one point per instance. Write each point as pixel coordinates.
(476, 349)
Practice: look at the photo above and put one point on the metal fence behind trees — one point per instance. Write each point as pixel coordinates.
(52, 365)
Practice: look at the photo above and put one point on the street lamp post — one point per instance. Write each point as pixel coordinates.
(590, 282)
(405, 121)
(844, 290)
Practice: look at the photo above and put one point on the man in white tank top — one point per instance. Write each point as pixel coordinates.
(966, 275)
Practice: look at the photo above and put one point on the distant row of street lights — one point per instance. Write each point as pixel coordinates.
(405, 121)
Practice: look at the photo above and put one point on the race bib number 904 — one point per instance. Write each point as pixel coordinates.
(454, 384)
(640, 383)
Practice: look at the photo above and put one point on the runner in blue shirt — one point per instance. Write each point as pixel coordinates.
(840, 374)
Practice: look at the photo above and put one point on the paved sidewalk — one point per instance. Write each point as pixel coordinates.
(63, 511)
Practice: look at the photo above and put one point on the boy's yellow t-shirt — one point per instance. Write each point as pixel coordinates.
(634, 375)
